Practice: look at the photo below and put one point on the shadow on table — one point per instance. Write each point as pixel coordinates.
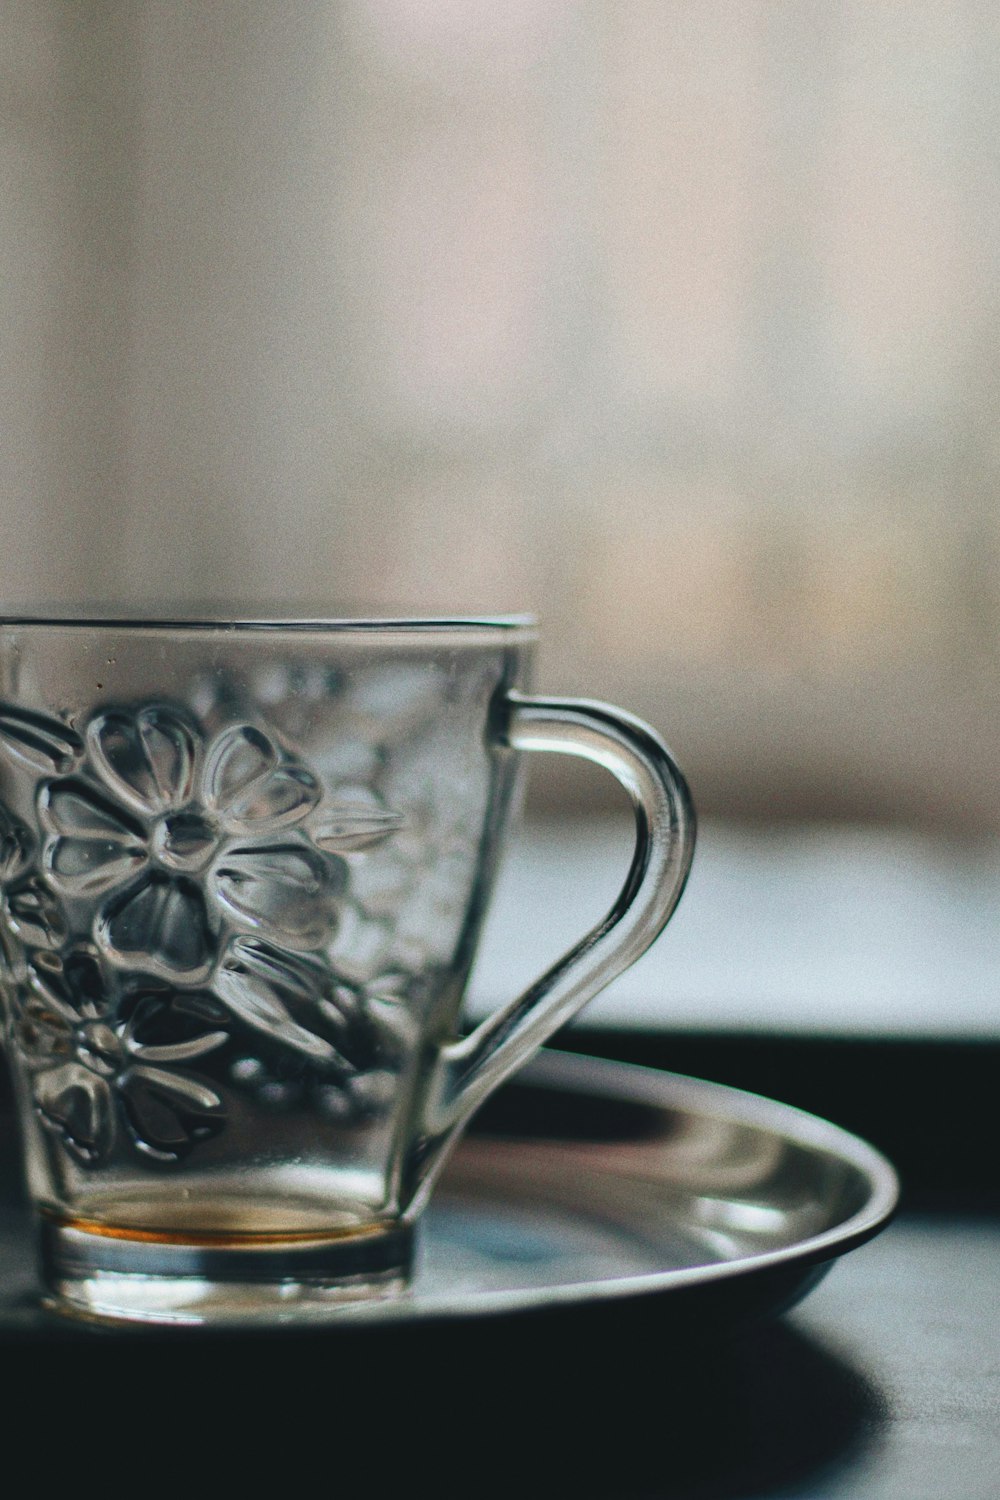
(613, 1401)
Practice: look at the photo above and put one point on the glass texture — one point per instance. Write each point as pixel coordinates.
(243, 870)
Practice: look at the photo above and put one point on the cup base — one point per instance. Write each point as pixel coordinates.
(110, 1275)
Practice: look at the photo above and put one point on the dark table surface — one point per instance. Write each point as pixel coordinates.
(883, 1384)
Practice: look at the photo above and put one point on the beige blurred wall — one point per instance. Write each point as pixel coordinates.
(675, 323)
(67, 133)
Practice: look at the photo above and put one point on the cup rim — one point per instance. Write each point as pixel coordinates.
(272, 620)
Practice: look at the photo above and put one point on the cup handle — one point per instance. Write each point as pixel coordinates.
(473, 1066)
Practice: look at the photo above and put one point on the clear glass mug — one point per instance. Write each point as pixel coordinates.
(243, 869)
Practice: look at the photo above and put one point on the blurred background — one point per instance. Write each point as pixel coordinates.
(672, 322)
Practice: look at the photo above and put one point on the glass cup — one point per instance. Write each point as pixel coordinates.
(243, 869)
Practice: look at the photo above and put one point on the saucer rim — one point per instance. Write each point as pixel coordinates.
(636, 1083)
(725, 1291)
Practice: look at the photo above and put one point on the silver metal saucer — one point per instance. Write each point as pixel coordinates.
(591, 1180)
(586, 1181)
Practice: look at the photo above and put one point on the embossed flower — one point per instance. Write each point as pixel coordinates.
(30, 911)
(93, 1069)
(15, 846)
(339, 1046)
(296, 999)
(176, 841)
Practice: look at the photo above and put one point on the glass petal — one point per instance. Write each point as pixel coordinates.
(238, 760)
(285, 797)
(285, 890)
(15, 846)
(172, 1029)
(43, 1031)
(71, 808)
(352, 827)
(147, 758)
(251, 788)
(174, 1052)
(72, 984)
(161, 927)
(169, 1113)
(78, 1106)
(89, 867)
(275, 993)
(44, 744)
(34, 915)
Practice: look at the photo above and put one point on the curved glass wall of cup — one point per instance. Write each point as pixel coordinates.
(243, 868)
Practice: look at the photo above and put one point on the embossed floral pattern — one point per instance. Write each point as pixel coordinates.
(282, 995)
(166, 839)
(15, 847)
(298, 1000)
(38, 741)
(348, 1071)
(178, 897)
(94, 1071)
(33, 914)
(30, 910)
